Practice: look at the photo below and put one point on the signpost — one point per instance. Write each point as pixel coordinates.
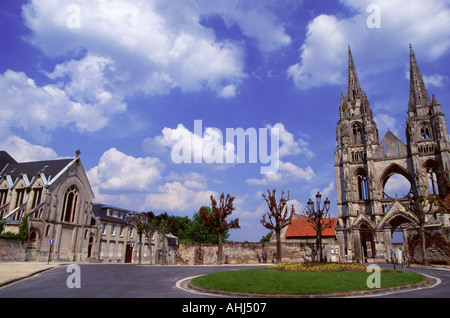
(50, 242)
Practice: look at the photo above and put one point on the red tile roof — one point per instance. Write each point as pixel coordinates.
(300, 228)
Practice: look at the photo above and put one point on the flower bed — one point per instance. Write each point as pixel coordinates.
(320, 267)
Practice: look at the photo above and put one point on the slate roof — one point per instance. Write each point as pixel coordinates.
(100, 211)
(48, 167)
(5, 159)
(300, 228)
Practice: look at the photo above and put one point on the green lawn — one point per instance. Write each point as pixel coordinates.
(271, 281)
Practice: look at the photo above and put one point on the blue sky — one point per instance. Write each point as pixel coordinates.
(117, 79)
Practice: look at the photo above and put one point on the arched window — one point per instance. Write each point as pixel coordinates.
(70, 204)
(433, 187)
(425, 131)
(357, 134)
(363, 188)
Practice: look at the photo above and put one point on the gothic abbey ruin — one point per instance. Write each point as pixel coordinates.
(367, 215)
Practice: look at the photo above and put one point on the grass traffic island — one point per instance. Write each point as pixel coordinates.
(302, 279)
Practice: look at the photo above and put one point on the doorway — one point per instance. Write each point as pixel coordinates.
(128, 253)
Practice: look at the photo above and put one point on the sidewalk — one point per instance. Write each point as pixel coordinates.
(14, 271)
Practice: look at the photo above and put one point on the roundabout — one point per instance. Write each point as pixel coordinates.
(272, 283)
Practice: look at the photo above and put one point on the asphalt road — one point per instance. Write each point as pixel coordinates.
(131, 281)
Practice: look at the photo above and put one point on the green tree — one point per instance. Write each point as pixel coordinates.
(196, 232)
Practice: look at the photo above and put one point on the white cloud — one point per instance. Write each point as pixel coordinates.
(323, 53)
(288, 145)
(386, 122)
(23, 151)
(326, 192)
(118, 172)
(154, 46)
(435, 80)
(287, 172)
(255, 21)
(82, 102)
(178, 197)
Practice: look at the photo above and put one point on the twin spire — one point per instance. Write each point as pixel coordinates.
(418, 91)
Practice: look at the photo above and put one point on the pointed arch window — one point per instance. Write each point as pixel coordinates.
(357, 133)
(363, 188)
(433, 187)
(70, 204)
(425, 132)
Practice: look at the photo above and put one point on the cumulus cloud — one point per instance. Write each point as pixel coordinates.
(323, 53)
(23, 151)
(82, 101)
(117, 171)
(287, 172)
(178, 197)
(157, 46)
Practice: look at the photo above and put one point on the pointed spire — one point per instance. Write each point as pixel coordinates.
(418, 94)
(354, 90)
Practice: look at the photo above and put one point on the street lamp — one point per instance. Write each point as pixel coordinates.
(318, 199)
(318, 218)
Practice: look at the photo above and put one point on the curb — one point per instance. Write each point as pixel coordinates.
(429, 282)
(13, 280)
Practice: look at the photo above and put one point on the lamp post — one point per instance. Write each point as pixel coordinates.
(316, 216)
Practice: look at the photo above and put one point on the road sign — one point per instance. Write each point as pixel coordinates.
(132, 244)
(51, 241)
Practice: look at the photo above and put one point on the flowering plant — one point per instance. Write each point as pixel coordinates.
(320, 267)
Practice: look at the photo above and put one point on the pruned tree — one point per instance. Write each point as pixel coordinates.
(142, 225)
(217, 219)
(278, 216)
(420, 206)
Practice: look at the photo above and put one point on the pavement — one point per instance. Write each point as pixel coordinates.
(11, 272)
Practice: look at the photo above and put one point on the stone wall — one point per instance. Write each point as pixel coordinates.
(437, 246)
(244, 253)
(11, 250)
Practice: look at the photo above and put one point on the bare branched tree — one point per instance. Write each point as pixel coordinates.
(278, 216)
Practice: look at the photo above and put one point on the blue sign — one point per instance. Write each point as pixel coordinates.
(132, 244)
(51, 241)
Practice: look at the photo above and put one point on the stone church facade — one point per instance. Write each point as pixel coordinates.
(367, 215)
(57, 198)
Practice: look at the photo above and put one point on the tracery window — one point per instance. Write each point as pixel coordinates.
(363, 189)
(357, 134)
(425, 132)
(70, 204)
(433, 186)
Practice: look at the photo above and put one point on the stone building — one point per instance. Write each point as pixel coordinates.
(57, 198)
(119, 241)
(117, 236)
(367, 215)
(63, 222)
